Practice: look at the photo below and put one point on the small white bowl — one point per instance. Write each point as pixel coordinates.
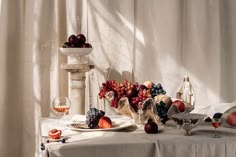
(77, 55)
(75, 52)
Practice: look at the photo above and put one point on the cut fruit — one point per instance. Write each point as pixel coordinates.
(54, 134)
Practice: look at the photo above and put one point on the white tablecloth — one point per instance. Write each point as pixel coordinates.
(170, 142)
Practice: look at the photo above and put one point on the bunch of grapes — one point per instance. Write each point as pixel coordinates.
(120, 89)
(93, 116)
(162, 111)
(143, 94)
(157, 90)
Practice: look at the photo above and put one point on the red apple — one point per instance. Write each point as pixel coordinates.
(180, 104)
(231, 119)
(104, 122)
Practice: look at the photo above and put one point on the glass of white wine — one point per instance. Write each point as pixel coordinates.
(61, 106)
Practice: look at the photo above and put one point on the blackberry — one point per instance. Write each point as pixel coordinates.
(162, 111)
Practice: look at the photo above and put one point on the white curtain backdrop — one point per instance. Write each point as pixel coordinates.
(157, 40)
(163, 40)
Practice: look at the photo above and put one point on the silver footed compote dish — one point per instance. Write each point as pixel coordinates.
(187, 121)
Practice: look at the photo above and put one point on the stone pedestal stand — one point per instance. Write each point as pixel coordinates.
(77, 86)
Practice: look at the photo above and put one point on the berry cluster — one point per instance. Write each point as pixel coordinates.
(157, 90)
(162, 111)
(93, 116)
(135, 93)
(78, 41)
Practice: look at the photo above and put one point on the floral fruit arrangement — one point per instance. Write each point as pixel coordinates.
(77, 41)
(96, 118)
(55, 134)
(135, 93)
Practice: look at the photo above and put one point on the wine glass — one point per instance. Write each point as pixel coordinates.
(61, 106)
(216, 122)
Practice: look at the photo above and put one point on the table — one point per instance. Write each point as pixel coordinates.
(169, 142)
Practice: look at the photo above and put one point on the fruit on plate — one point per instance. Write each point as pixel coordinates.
(104, 122)
(77, 41)
(54, 134)
(180, 105)
(93, 116)
(151, 127)
(231, 119)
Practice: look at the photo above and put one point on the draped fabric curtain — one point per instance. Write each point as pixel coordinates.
(163, 41)
(30, 35)
(157, 40)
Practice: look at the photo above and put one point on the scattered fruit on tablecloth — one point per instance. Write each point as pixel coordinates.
(151, 127)
(55, 133)
(231, 119)
(78, 41)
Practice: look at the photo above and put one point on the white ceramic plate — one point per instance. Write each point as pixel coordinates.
(116, 125)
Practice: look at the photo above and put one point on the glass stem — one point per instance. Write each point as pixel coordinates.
(215, 132)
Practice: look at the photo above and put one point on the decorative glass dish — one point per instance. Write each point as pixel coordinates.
(187, 121)
(229, 118)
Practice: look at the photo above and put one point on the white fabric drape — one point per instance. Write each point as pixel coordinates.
(157, 40)
(162, 41)
(31, 33)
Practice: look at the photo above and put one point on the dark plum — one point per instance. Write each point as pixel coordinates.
(66, 45)
(81, 38)
(151, 127)
(86, 45)
(72, 39)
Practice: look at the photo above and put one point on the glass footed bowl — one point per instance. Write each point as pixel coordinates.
(187, 121)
